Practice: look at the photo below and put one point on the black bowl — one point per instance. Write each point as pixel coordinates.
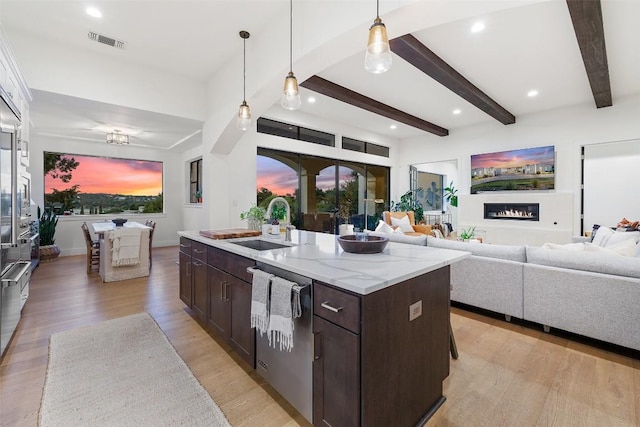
(363, 243)
(119, 221)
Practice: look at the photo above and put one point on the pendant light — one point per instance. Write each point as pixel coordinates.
(291, 95)
(378, 57)
(243, 121)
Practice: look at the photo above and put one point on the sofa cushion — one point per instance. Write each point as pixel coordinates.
(402, 223)
(624, 248)
(383, 227)
(602, 235)
(596, 262)
(621, 236)
(508, 252)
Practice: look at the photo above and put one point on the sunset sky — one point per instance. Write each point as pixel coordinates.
(281, 179)
(514, 158)
(112, 176)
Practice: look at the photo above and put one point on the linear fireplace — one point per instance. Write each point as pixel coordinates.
(512, 211)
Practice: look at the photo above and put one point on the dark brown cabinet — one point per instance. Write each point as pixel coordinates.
(336, 375)
(199, 288)
(380, 358)
(230, 308)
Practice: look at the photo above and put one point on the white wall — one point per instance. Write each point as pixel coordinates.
(68, 234)
(567, 129)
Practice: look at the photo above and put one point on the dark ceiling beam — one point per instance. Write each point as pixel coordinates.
(415, 53)
(332, 90)
(586, 16)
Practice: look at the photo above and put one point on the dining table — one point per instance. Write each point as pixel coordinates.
(102, 227)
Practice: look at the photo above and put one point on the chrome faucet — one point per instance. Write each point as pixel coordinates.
(286, 204)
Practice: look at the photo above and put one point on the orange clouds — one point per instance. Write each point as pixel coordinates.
(112, 176)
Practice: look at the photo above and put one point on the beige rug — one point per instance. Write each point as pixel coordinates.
(122, 372)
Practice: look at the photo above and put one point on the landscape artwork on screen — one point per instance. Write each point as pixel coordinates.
(526, 169)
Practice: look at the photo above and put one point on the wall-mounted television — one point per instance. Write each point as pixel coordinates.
(519, 170)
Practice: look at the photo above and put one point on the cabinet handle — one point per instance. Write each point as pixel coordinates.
(226, 291)
(197, 264)
(330, 307)
(189, 268)
(184, 246)
(316, 347)
(198, 251)
(222, 298)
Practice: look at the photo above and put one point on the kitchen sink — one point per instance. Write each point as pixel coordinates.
(260, 245)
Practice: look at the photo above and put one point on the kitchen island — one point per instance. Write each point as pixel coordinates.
(378, 333)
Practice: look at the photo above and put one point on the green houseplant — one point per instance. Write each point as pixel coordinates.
(409, 202)
(451, 195)
(255, 217)
(467, 234)
(47, 228)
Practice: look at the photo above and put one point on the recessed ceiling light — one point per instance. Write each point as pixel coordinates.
(92, 11)
(393, 127)
(311, 100)
(457, 111)
(477, 27)
(532, 93)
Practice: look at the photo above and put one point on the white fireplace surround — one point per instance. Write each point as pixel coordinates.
(555, 225)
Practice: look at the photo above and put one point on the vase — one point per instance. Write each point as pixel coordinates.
(49, 253)
(254, 224)
(345, 229)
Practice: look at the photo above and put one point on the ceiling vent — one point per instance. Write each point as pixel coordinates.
(106, 40)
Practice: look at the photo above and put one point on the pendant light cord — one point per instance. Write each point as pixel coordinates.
(291, 36)
(377, 8)
(244, 70)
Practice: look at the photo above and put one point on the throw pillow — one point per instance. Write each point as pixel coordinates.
(398, 231)
(383, 227)
(624, 248)
(602, 235)
(620, 236)
(402, 223)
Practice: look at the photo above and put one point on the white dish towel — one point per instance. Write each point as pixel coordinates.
(280, 316)
(126, 246)
(260, 301)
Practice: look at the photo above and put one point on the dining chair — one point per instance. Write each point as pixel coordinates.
(93, 249)
(152, 224)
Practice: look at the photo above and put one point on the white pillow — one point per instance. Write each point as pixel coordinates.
(399, 231)
(602, 235)
(402, 223)
(383, 227)
(620, 236)
(624, 248)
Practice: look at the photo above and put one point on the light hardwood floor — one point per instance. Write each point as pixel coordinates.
(507, 375)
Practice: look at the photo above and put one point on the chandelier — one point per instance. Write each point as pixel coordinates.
(117, 138)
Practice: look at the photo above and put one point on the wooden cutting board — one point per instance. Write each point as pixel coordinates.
(229, 233)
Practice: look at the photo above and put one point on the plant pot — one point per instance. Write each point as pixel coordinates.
(345, 229)
(49, 253)
(254, 224)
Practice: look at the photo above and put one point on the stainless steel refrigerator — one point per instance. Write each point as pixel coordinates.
(14, 227)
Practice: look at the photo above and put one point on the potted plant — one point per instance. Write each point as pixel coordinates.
(467, 234)
(255, 217)
(48, 248)
(451, 195)
(409, 202)
(344, 212)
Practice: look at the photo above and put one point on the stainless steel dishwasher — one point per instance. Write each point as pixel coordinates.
(291, 373)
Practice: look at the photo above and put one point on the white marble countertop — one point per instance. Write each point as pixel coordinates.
(320, 257)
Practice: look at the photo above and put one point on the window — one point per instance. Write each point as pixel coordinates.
(90, 185)
(287, 130)
(317, 187)
(364, 147)
(195, 181)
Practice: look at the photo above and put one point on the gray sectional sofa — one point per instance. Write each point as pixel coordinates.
(592, 294)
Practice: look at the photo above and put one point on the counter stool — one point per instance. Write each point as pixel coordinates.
(93, 249)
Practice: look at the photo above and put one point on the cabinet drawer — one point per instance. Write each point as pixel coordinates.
(337, 306)
(233, 264)
(185, 245)
(199, 251)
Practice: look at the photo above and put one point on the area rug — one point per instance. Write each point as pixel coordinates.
(122, 372)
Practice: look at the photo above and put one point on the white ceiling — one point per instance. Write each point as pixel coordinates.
(522, 48)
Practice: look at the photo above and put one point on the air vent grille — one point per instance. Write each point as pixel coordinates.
(109, 41)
